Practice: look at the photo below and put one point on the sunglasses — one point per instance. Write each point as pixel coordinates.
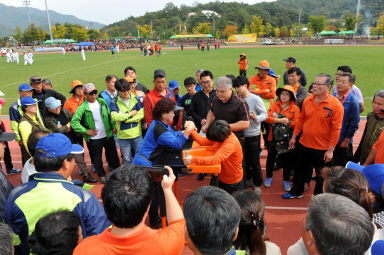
(92, 93)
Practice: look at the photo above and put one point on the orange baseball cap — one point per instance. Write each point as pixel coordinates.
(128, 79)
(75, 83)
(264, 64)
(242, 54)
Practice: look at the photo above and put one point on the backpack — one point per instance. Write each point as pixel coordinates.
(281, 136)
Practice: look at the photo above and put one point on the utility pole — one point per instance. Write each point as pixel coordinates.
(27, 3)
(151, 30)
(213, 24)
(49, 21)
(300, 22)
(357, 13)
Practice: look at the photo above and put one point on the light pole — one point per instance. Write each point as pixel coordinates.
(27, 3)
(49, 21)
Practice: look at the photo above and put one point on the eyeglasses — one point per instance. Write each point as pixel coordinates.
(92, 93)
(205, 82)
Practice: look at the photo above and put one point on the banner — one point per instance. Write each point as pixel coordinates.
(243, 38)
(333, 41)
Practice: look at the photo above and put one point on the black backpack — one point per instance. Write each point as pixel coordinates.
(281, 136)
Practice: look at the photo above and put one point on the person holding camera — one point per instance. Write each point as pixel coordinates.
(282, 115)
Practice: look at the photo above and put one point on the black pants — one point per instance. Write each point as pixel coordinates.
(306, 157)
(231, 188)
(341, 155)
(252, 160)
(24, 154)
(243, 73)
(95, 148)
(287, 160)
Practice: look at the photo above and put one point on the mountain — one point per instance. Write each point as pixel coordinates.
(10, 17)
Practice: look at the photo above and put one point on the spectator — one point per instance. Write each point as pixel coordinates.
(71, 104)
(126, 197)
(47, 84)
(29, 122)
(15, 115)
(29, 167)
(252, 226)
(186, 100)
(175, 87)
(110, 92)
(243, 65)
(294, 75)
(58, 120)
(131, 72)
(212, 217)
(257, 114)
(199, 85)
(373, 128)
(290, 63)
(228, 153)
(376, 156)
(351, 119)
(202, 100)
(56, 233)
(93, 120)
(127, 111)
(5, 185)
(41, 94)
(320, 123)
(159, 92)
(6, 239)
(48, 190)
(283, 112)
(335, 225)
(355, 90)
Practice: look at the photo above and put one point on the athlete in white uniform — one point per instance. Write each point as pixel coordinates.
(83, 54)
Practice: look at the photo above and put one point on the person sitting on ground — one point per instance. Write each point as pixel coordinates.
(57, 233)
(228, 153)
(6, 239)
(348, 183)
(252, 227)
(335, 225)
(49, 190)
(284, 111)
(212, 217)
(126, 197)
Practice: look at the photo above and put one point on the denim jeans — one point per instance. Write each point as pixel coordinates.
(126, 147)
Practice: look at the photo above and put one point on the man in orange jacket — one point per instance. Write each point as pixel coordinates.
(243, 63)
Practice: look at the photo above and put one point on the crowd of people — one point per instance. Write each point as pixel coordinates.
(303, 130)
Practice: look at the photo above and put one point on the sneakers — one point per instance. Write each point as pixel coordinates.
(102, 180)
(267, 182)
(200, 177)
(257, 190)
(287, 186)
(290, 196)
(13, 171)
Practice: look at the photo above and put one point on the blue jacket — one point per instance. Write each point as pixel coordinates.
(104, 95)
(158, 139)
(45, 193)
(351, 118)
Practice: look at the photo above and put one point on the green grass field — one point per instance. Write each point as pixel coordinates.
(366, 62)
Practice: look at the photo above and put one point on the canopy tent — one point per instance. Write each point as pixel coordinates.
(327, 33)
(191, 36)
(85, 44)
(59, 41)
(347, 32)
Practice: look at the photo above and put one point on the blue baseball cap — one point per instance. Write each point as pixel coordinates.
(25, 87)
(272, 73)
(27, 101)
(377, 247)
(373, 173)
(56, 145)
(52, 103)
(173, 84)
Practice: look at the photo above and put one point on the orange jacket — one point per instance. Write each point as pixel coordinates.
(243, 64)
(379, 148)
(71, 104)
(229, 153)
(259, 86)
(320, 123)
(292, 113)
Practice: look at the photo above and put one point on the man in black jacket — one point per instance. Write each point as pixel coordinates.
(290, 63)
(41, 94)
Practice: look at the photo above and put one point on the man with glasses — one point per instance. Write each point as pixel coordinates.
(320, 122)
(93, 120)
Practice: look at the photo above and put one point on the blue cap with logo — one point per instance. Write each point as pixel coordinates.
(25, 87)
(27, 101)
(173, 84)
(56, 145)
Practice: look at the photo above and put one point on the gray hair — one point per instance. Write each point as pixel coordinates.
(328, 79)
(380, 93)
(6, 239)
(224, 81)
(199, 71)
(339, 225)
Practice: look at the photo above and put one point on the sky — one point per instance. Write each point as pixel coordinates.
(109, 11)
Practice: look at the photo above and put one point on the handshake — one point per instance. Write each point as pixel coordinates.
(189, 126)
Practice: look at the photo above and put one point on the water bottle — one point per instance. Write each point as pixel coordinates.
(58, 124)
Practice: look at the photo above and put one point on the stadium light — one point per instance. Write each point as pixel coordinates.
(27, 3)
(49, 22)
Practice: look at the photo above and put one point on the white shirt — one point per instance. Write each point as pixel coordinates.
(99, 125)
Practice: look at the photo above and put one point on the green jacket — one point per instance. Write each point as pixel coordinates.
(128, 127)
(83, 120)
